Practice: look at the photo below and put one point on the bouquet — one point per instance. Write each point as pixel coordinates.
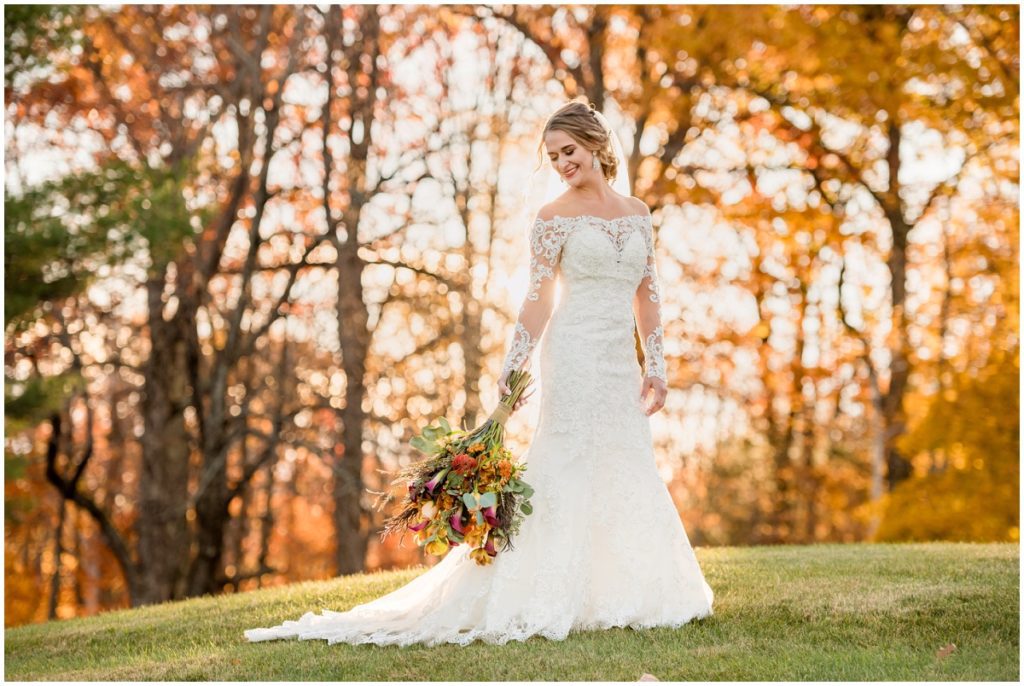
(470, 490)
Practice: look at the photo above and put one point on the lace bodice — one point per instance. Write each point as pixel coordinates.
(607, 266)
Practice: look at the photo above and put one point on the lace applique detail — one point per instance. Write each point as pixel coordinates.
(654, 354)
(649, 314)
(547, 239)
(545, 246)
(538, 272)
(650, 270)
(652, 284)
(618, 230)
(520, 349)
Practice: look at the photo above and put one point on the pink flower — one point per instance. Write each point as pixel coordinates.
(491, 550)
(420, 525)
(456, 522)
(438, 478)
(491, 515)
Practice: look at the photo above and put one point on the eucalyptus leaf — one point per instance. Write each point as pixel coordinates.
(423, 445)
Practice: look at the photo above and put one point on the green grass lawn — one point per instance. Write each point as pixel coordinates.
(823, 612)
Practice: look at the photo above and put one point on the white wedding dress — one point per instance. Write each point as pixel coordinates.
(604, 546)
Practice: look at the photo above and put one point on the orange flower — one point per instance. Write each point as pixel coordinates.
(474, 534)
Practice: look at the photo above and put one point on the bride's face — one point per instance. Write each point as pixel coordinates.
(571, 160)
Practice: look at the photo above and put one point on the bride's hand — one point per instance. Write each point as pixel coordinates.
(504, 390)
(653, 383)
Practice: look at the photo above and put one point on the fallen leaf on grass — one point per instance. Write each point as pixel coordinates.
(945, 650)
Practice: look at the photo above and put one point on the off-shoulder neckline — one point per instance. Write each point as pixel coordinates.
(591, 216)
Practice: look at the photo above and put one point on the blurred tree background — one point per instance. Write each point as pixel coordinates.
(250, 250)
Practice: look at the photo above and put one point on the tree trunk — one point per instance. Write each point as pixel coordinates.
(782, 510)
(163, 489)
(351, 529)
(897, 466)
(58, 552)
(266, 523)
(809, 472)
(469, 336)
(351, 521)
(89, 566)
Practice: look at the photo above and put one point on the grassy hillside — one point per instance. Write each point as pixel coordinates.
(823, 612)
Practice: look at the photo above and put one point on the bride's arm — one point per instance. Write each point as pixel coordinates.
(545, 249)
(647, 309)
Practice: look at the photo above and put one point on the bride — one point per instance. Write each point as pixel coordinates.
(604, 546)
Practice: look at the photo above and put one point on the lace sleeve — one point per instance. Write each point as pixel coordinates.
(647, 308)
(546, 241)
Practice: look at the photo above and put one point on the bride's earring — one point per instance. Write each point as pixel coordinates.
(595, 164)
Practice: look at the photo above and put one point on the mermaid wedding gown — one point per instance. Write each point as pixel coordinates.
(604, 545)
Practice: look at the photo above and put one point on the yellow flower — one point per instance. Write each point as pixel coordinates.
(438, 546)
(480, 556)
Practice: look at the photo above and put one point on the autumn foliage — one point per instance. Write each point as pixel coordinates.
(250, 249)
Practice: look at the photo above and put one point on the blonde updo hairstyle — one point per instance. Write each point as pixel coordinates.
(579, 120)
